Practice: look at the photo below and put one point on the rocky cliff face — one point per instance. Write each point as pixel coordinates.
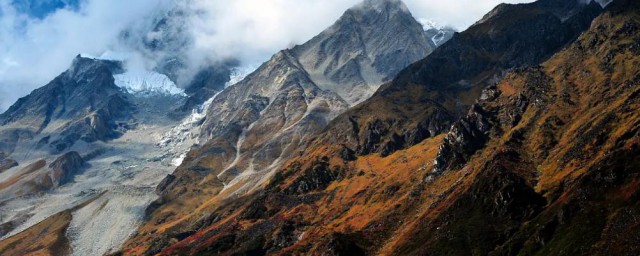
(65, 168)
(38, 177)
(519, 136)
(254, 126)
(270, 115)
(83, 137)
(548, 153)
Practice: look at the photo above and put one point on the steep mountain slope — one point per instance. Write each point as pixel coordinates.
(431, 94)
(543, 163)
(554, 151)
(253, 127)
(368, 45)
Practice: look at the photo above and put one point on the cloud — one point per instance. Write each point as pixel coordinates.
(33, 50)
(255, 29)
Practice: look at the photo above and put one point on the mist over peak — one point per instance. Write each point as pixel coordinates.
(45, 35)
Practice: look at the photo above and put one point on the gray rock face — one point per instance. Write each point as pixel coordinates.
(367, 46)
(254, 126)
(38, 177)
(82, 103)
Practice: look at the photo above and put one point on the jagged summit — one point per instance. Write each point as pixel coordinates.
(80, 104)
(116, 132)
(355, 55)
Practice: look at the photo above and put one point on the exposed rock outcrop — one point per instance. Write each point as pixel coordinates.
(65, 168)
(255, 126)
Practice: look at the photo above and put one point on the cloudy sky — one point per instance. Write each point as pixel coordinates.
(39, 38)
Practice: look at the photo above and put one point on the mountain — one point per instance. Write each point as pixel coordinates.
(91, 148)
(368, 45)
(426, 98)
(541, 161)
(83, 103)
(518, 136)
(552, 152)
(255, 126)
(93, 143)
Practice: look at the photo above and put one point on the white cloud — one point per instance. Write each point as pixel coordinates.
(32, 51)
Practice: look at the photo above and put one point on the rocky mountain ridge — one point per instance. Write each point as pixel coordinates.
(519, 136)
(255, 126)
(504, 179)
(427, 97)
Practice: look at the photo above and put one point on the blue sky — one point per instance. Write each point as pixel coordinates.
(41, 8)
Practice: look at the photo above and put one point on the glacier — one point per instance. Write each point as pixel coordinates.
(147, 83)
(139, 81)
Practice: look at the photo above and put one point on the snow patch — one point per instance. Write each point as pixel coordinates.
(430, 24)
(137, 79)
(240, 73)
(178, 160)
(147, 83)
(108, 55)
(604, 3)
